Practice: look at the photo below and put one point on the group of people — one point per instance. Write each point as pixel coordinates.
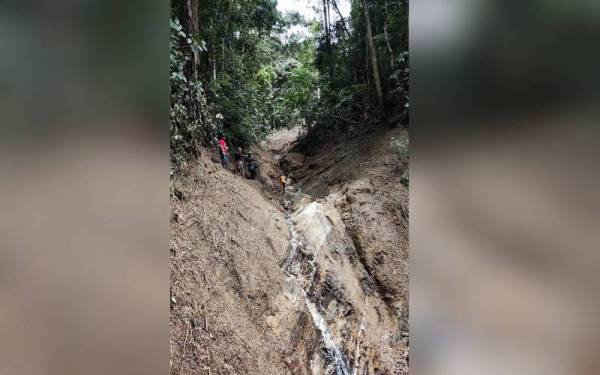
(244, 162)
(241, 162)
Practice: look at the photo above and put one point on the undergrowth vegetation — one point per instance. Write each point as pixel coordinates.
(400, 148)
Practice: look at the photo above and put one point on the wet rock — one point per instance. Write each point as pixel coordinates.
(341, 202)
(313, 226)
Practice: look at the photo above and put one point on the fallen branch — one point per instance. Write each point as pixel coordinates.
(260, 315)
(243, 217)
(343, 119)
(206, 284)
(187, 329)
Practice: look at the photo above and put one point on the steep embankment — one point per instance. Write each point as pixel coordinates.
(225, 242)
(320, 288)
(356, 183)
(363, 176)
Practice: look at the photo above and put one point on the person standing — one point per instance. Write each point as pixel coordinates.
(238, 158)
(252, 165)
(283, 182)
(224, 152)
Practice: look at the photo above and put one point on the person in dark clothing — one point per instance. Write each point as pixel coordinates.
(238, 158)
(253, 169)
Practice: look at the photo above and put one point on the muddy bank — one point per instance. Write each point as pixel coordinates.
(319, 288)
(362, 267)
(363, 178)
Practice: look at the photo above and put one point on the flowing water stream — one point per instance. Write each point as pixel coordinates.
(335, 357)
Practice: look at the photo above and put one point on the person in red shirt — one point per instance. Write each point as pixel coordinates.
(224, 152)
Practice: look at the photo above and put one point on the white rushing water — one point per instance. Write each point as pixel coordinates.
(336, 357)
(294, 243)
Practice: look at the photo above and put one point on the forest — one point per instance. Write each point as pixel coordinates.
(236, 69)
(289, 187)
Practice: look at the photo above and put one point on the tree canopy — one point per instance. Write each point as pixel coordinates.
(237, 69)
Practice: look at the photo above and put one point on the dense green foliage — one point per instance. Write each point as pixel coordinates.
(344, 63)
(400, 148)
(185, 117)
(244, 74)
(257, 81)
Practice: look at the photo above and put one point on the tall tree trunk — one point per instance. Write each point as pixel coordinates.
(189, 21)
(387, 41)
(387, 38)
(373, 54)
(326, 24)
(231, 53)
(329, 20)
(327, 35)
(367, 75)
(223, 49)
(335, 6)
(214, 62)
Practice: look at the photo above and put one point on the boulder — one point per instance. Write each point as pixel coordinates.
(313, 226)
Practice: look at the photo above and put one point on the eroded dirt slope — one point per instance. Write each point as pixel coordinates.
(360, 178)
(225, 242)
(363, 171)
(319, 288)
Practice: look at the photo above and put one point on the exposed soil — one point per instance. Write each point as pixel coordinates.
(314, 281)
